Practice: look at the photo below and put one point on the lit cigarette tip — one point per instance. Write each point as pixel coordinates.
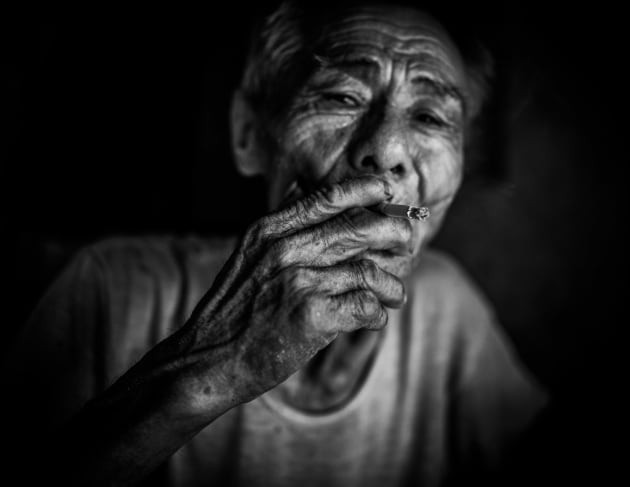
(418, 213)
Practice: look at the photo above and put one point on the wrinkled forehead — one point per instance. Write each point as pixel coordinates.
(392, 33)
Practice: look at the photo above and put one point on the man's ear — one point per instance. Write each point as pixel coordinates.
(249, 156)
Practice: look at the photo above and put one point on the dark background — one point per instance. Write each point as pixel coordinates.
(116, 123)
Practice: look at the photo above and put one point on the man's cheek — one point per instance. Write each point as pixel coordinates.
(442, 173)
(315, 150)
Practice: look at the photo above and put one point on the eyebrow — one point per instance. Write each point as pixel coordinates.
(442, 89)
(353, 63)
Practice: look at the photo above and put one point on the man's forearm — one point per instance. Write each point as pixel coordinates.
(122, 435)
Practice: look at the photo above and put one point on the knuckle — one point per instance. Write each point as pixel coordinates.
(259, 232)
(279, 252)
(297, 278)
(331, 195)
(312, 306)
(310, 315)
(302, 209)
(368, 271)
(349, 224)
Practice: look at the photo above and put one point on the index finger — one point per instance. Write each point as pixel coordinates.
(326, 203)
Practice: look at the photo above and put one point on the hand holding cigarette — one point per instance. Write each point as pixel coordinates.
(306, 268)
(420, 213)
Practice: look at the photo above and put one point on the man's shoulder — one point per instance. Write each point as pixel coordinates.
(133, 248)
(162, 275)
(158, 255)
(147, 287)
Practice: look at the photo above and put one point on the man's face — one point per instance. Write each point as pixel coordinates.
(386, 98)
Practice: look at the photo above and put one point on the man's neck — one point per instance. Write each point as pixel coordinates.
(334, 375)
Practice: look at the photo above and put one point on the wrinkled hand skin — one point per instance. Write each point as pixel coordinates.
(296, 280)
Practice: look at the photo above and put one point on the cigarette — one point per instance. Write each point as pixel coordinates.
(421, 213)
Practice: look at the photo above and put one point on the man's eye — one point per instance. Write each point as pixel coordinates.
(427, 118)
(341, 100)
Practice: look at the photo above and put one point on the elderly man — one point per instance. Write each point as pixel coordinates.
(327, 346)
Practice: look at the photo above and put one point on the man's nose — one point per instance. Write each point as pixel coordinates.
(383, 147)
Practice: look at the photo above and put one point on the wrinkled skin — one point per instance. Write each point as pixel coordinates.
(374, 110)
(297, 281)
(321, 267)
(387, 98)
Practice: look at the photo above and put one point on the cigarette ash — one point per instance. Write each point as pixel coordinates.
(416, 213)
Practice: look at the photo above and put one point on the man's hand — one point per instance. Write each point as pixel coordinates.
(296, 280)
